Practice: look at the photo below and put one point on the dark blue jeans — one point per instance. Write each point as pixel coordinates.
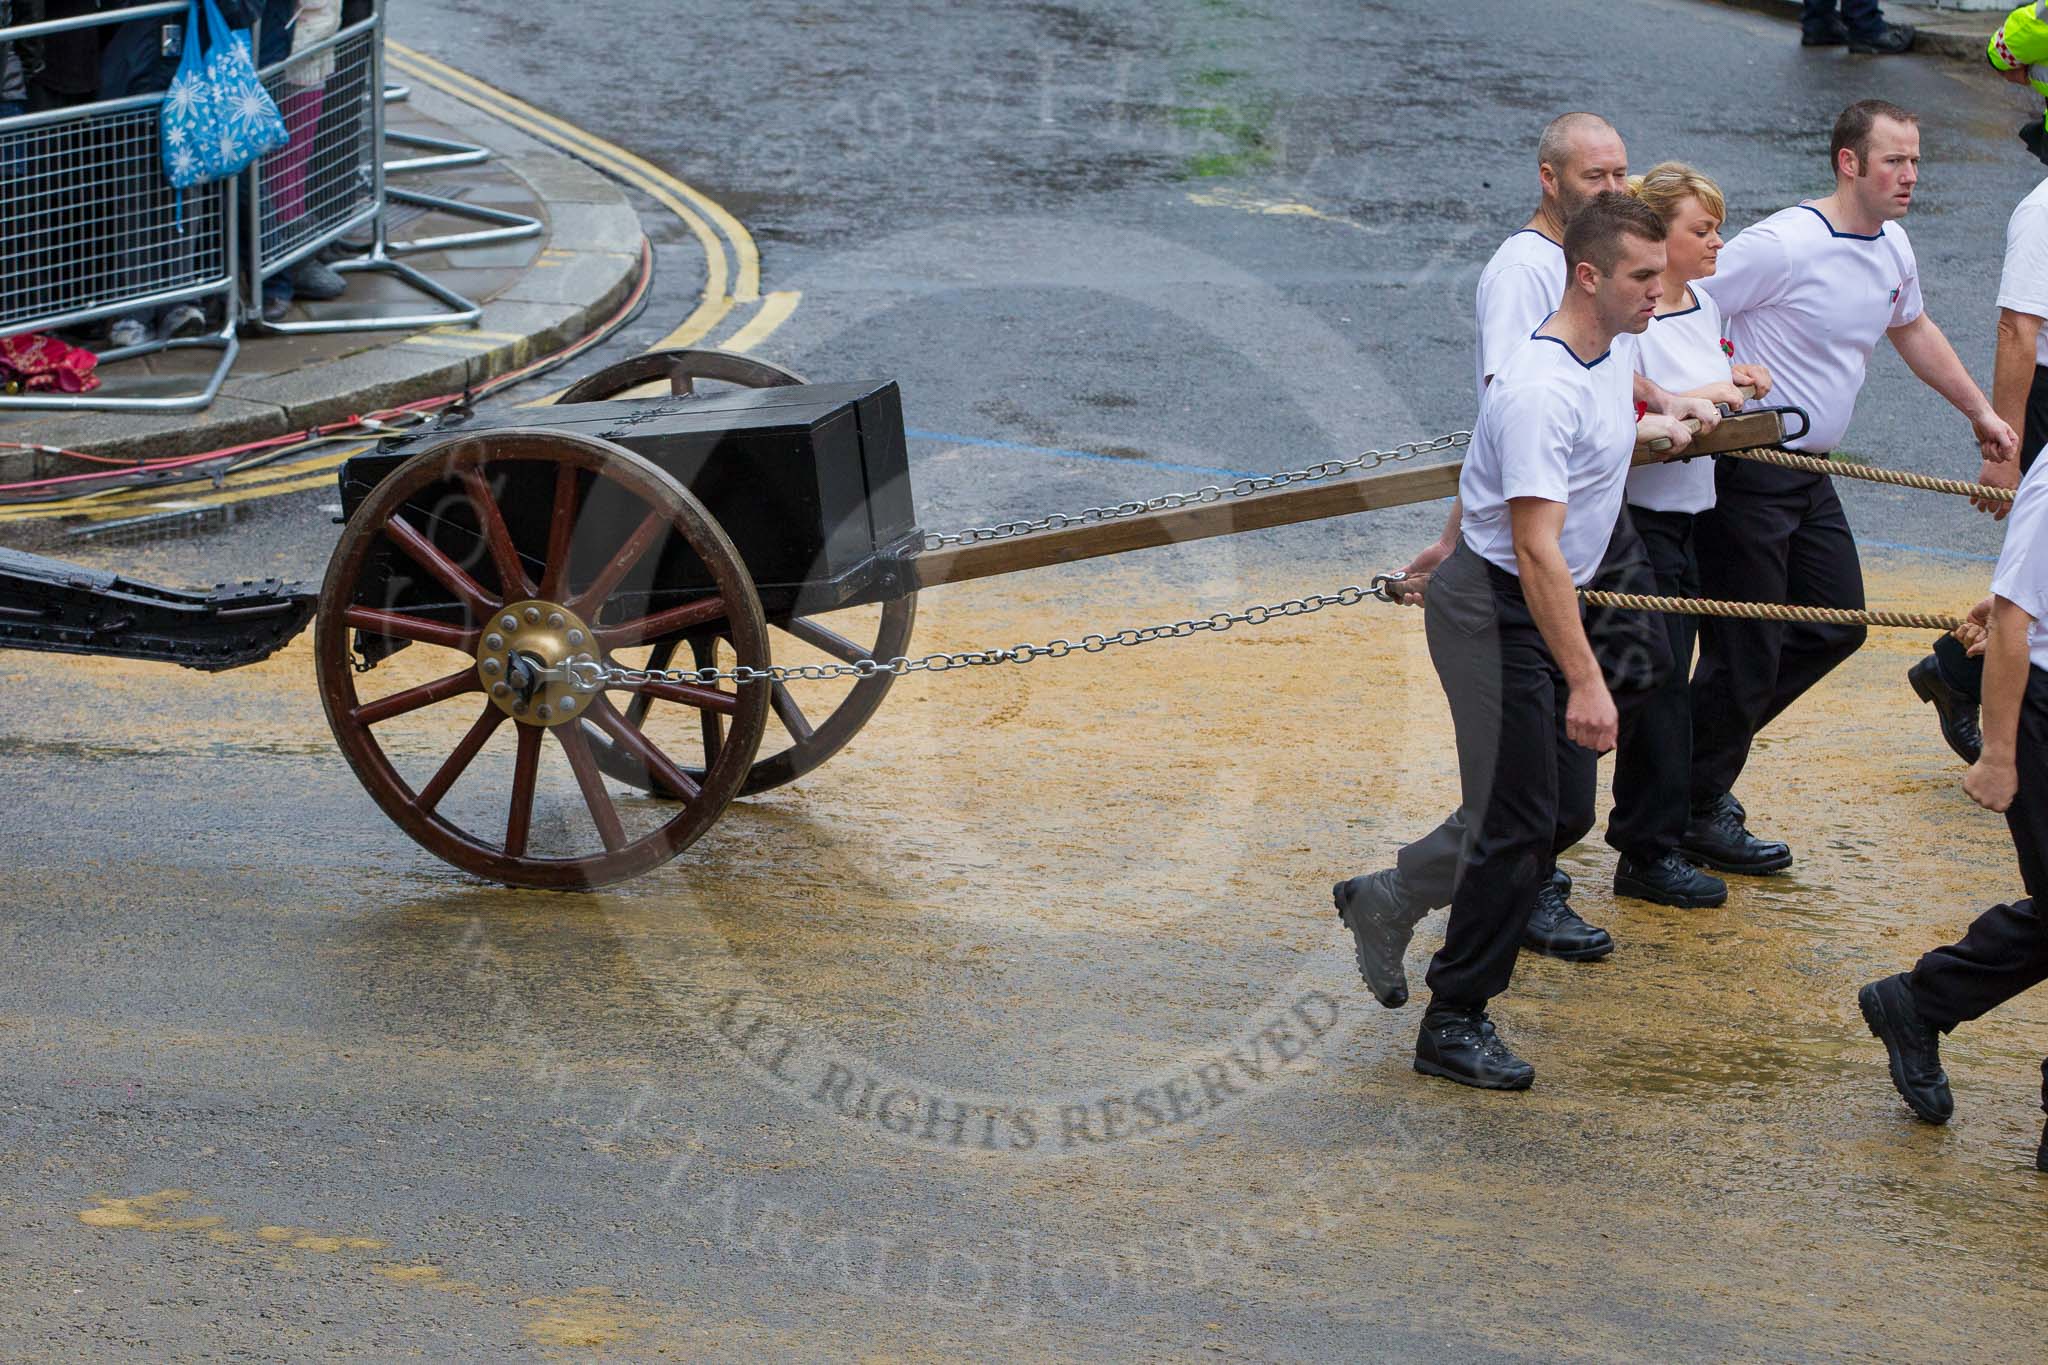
(1858, 16)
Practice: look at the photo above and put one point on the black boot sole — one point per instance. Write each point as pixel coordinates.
(1926, 694)
(1874, 1019)
(1394, 998)
(1708, 860)
(1641, 891)
(1438, 1069)
(1592, 954)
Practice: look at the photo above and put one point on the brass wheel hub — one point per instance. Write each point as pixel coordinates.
(522, 661)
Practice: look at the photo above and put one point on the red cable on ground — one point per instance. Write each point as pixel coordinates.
(487, 389)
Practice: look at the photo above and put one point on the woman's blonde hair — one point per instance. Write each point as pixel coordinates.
(1671, 183)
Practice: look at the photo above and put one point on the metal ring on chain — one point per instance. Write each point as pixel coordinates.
(1245, 487)
(1814, 464)
(1770, 611)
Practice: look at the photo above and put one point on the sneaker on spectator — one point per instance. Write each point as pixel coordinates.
(183, 320)
(312, 280)
(275, 306)
(127, 332)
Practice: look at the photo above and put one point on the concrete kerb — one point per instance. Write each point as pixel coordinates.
(585, 268)
(1941, 32)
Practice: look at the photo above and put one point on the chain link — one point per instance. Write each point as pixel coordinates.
(1245, 487)
(590, 676)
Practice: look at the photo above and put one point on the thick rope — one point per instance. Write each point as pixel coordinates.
(1815, 465)
(1770, 611)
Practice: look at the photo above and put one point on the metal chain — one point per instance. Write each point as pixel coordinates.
(589, 676)
(1245, 487)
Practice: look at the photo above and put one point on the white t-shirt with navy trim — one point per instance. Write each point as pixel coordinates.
(1680, 351)
(1555, 427)
(2021, 577)
(1520, 287)
(2023, 284)
(1810, 304)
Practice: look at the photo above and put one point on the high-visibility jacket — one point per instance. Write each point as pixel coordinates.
(2022, 42)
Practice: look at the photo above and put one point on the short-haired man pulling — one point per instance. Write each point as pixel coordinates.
(1807, 293)
(1578, 157)
(1541, 490)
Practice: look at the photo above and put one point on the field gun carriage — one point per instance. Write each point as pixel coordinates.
(620, 581)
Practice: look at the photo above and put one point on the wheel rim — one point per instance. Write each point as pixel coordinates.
(811, 740)
(682, 368)
(565, 572)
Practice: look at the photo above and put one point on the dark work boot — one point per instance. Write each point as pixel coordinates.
(1381, 916)
(1885, 40)
(1715, 837)
(1914, 1047)
(1462, 1045)
(1957, 713)
(1668, 880)
(1831, 32)
(1556, 930)
(1562, 880)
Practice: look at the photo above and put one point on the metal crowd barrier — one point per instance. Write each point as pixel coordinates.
(90, 228)
(328, 181)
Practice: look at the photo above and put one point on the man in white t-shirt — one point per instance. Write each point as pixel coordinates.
(2005, 951)
(1950, 677)
(1578, 157)
(1807, 293)
(1541, 488)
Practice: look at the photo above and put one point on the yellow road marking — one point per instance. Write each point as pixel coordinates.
(775, 310)
(746, 288)
(252, 483)
(454, 343)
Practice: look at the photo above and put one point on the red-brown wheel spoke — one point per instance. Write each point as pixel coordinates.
(657, 662)
(446, 571)
(639, 543)
(584, 765)
(397, 626)
(458, 761)
(413, 698)
(705, 652)
(525, 772)
(632, 740)
(689, 694)
(833, 643)
(554, 576)
(791, 715)
(641, 629)
(511, 574)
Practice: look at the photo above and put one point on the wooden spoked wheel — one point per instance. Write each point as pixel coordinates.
(683, 369)
(498, 560)
(826, 717)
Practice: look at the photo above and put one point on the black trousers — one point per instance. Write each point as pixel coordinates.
(1653, 762)
(1635, 657)
(1958, 669)
(2005, 951)
(1773, 535)
(1528, 790)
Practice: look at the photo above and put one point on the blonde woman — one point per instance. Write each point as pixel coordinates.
(1683, 352)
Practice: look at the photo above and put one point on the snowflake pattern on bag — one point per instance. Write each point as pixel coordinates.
(217, 117)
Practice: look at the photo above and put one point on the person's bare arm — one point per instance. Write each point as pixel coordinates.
(1993, 779)
(2012, 375)
(1928, 355)
(1589, 717)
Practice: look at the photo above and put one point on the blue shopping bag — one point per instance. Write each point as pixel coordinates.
(217, 117)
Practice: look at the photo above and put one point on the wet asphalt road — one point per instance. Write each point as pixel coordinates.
(279, 1084)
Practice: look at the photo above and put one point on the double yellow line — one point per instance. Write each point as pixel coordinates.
(732, 263)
